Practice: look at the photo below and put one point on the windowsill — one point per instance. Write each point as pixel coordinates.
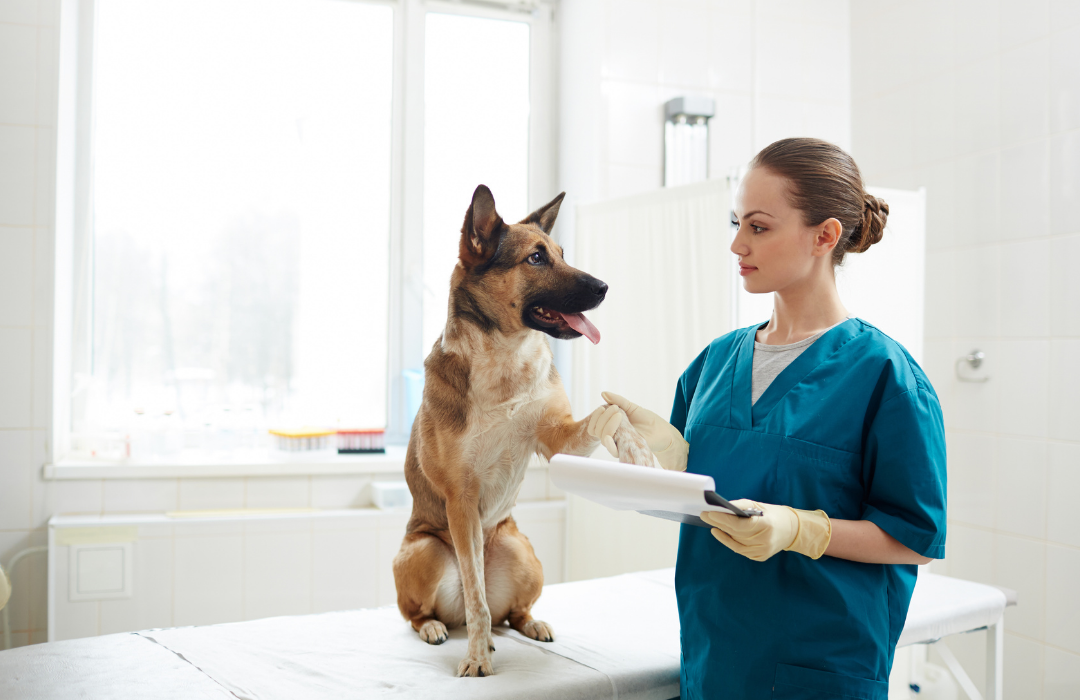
(540, 507)
(253, 464)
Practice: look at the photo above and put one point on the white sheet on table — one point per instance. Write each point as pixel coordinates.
(366, 653)
(625, 626)
(615, 638)
(114, 666)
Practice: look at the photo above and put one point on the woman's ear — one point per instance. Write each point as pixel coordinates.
(827, 236)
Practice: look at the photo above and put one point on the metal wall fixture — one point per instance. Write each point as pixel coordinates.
(686, 139)
(974, 360)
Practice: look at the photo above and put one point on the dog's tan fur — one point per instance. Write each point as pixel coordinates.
(492, 399)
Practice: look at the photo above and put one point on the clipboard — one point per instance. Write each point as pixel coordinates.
(678, 496)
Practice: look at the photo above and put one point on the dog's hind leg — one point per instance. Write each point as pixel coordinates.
(428, 586)
(515, 579)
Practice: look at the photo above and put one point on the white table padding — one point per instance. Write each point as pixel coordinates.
(113, 666)
(626, 627)
(941, 606)
(367, 653)
(616, 637)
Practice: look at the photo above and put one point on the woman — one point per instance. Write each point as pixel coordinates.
(824, 423)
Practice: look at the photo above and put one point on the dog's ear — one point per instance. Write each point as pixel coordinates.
(544, 217)
(481, 230)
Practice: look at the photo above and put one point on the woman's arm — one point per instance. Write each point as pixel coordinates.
(862, 540)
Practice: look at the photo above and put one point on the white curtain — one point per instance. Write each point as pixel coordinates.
(666, 260)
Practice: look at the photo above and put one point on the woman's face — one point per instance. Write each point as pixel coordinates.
(775, 248)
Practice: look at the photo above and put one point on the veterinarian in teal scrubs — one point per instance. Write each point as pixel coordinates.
(826, 424)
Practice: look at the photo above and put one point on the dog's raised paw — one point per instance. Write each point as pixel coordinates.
(538, 630)
(433, 632)
(476, 666)
(632, 447)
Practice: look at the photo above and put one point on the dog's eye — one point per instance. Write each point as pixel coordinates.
(535, 259)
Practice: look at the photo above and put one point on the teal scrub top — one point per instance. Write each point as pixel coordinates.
(851, 427)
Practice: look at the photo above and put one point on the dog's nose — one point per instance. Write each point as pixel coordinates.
(598, 288)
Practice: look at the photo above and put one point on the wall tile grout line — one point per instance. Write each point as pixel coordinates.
(957, 67)
(1019, 536)
(1029, 638)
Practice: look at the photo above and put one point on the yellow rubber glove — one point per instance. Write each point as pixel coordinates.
(780, 528)
(665, 440)
(603, 422)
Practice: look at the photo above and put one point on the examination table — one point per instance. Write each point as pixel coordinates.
(616, 637)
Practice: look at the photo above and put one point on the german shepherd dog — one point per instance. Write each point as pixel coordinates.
(492, 399)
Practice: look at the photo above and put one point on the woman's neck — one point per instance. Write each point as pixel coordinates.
(801, 311)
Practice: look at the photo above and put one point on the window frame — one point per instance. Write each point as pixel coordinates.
(407, 349)
(73, 257)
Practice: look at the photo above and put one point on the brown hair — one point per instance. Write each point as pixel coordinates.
(824, 183)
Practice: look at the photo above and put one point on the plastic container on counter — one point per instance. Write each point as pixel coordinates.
(361, 441)
(303, 440)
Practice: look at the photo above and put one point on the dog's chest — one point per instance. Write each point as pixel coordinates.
(500, 441)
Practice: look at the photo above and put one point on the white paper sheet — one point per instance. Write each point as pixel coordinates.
(678, 496)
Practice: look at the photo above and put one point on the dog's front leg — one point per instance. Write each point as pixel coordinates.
(559, 433)
(463, 517)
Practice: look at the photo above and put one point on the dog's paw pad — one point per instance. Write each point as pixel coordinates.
(540, 631)
(433, 632)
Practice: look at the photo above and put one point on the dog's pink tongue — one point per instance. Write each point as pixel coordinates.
(583, 326)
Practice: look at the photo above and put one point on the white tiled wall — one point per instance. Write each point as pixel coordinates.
(775, 68)
(980, 102)
(28, 87)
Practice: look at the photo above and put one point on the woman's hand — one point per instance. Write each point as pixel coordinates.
(811, 533)
(664, 439)
(779, 528)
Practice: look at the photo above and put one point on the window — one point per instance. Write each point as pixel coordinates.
(260, 203)
(241, 200)
(476, 130)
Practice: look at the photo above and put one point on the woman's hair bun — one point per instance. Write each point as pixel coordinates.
(824, 183)
(872, 226)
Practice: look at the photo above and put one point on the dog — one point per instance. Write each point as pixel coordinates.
(492, 399)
